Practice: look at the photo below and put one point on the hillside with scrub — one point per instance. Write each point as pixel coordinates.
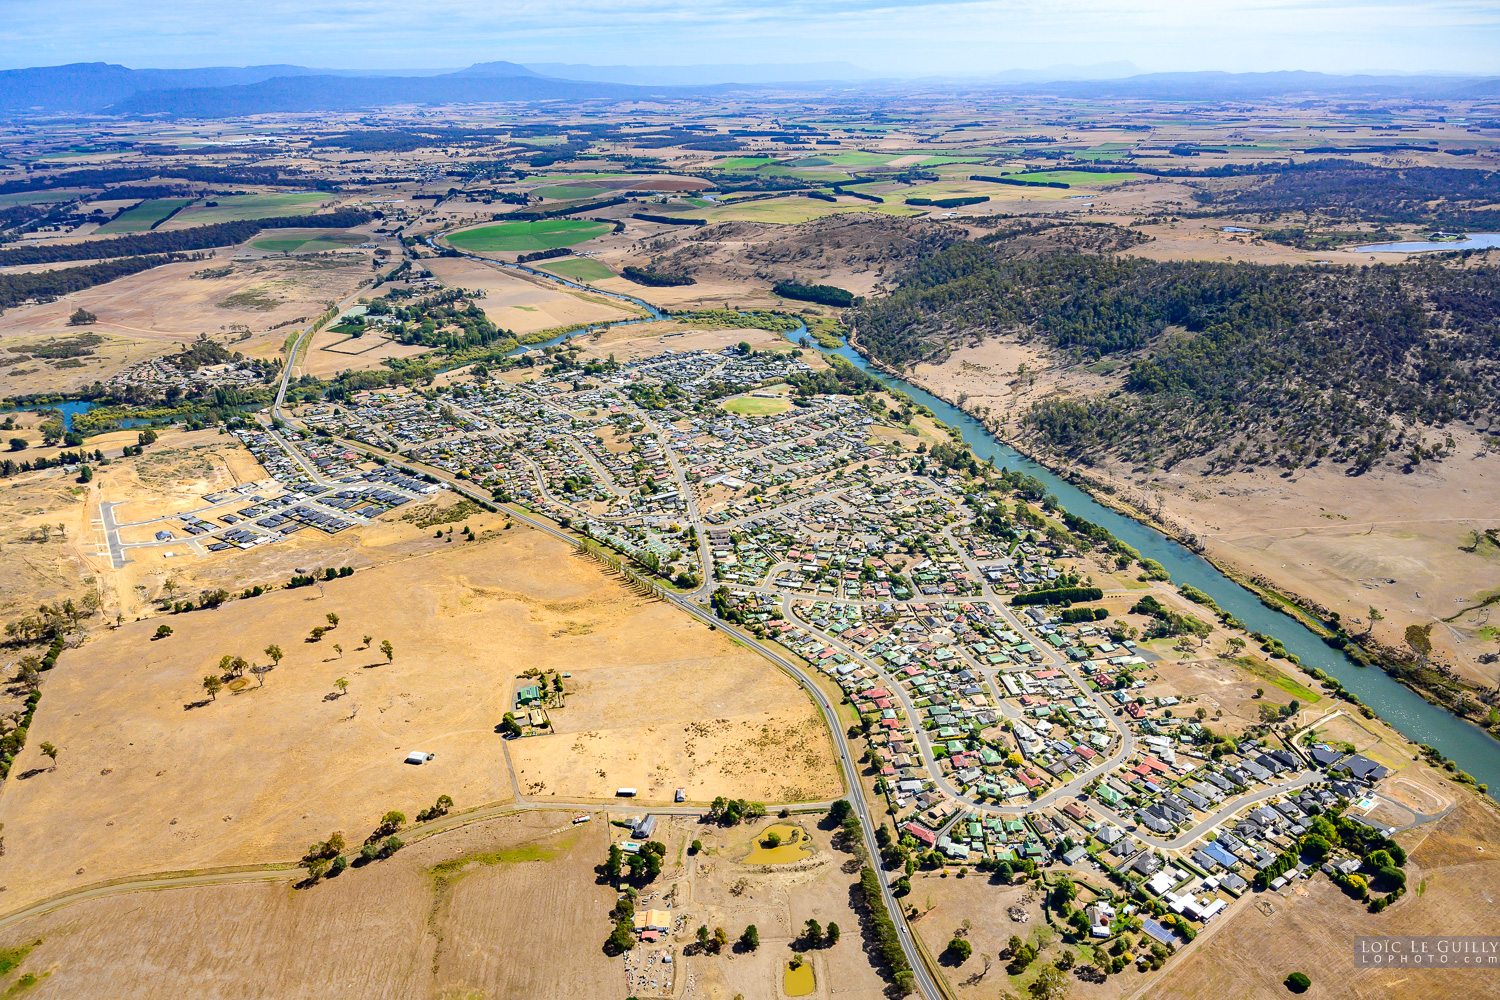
(1254, 366)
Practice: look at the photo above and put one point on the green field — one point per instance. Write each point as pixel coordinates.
(1268, 672)
(951, 189)
(543, 234)
(40, 197)
(848, 158)
(143, 216)
(577, 269)
(570, 178)
(304, 240)
(568, 192)
(1077, 178)
(938, 161)
(747, 406)
(743, 163)
(235, 207)
(811, 168)
(790, 211)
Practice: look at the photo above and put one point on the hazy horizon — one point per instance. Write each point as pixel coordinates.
(886, 40)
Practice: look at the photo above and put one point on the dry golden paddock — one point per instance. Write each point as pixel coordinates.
(446, 917)
(149, 781)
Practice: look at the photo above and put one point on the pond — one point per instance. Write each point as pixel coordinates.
(1476, 241)
(70, 409)
(799, 981)
(791, 844)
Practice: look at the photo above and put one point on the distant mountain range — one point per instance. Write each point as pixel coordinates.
(707, 75)
(224, 92)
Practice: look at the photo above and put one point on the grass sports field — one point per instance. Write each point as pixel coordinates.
(1077, 178)
(304, 240)
(577, 269)
(750, 406)
(234, 207)
(143, 216)
(543, 234)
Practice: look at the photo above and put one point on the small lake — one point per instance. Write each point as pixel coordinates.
(68, 409)
(1477, 241)
(72, 408)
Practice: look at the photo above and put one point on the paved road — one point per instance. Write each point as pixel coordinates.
(307, 332)
(1215, 818)
(112, 534)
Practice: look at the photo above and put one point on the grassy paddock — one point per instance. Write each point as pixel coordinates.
(790, 211)
(542, 234)
(237, 207)
(303, 240)
(1266, 672)
(143, 216)
(569, 192)
(1077, 178)
(577, 269)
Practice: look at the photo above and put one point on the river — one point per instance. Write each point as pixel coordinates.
(1469, 747)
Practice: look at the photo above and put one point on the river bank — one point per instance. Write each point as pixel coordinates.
(1411, 712)
(1438, 685)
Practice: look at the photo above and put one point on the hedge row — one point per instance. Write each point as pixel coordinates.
(527, 258)
(1019, 183)
(12, 742)
(888, 942)
(669, 220)
(554, 213)
(1059, 595)
(948, 202)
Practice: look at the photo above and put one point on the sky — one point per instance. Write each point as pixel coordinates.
(898, 38)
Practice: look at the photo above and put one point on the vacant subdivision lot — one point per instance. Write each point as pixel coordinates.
(151, 778)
